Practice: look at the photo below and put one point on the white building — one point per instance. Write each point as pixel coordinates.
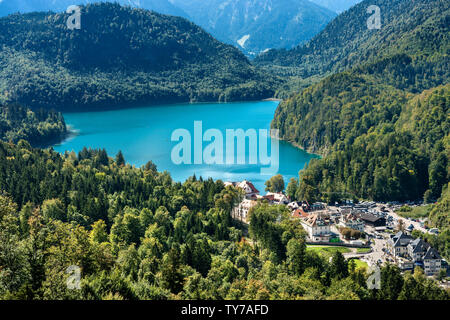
(249, 189)
(417, 252)
(276, 198)
(352, 222)
(241, 211)
(293, 205)
(317, 227)
(432, 262)
(398, 244)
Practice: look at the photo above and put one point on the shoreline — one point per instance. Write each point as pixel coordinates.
(273, 99)
(162, 103)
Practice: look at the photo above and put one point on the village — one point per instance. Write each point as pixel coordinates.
(369, 232)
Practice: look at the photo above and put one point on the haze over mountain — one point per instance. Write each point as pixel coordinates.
(24, 6)
(120, 56)
(337, 6)
(417, 28)
(257, 25)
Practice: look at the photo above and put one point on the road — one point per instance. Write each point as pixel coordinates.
(377, 253)
(406, 222)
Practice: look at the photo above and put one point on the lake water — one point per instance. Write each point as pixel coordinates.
(144, 134)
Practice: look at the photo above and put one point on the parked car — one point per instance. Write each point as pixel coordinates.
(434, 230)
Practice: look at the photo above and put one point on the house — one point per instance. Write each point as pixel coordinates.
(249, 189)
(317, 227)
(405, 264)
(276, 198)
(300, 213)
(351, 221)
(373, 220)
(417, 249)
(293, 205)
(398, 244)
(410, 229)
(432, 262)
(241, 211)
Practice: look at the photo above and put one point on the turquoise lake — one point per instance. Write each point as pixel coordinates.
(144, 134)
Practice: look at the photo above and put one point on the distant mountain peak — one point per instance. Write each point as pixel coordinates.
(271, 23)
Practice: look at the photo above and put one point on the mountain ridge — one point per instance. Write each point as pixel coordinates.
(379, 138)
(346, 41)
(22, 6)
(266, 23)
(111, 62)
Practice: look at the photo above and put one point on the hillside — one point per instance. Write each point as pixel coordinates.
(120, 56)
(416, 28)
(26, 6)
(337, 6)
(257, 25)
(39, 128)
(135, 234)
(381, 124)
(379, 142)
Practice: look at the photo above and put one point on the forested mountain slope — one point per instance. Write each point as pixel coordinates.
(120, 56)
(416, 28)
(25, 6)
(41, 127)
(135, 234)
(257, 25)
(380, 142)
(381, 124)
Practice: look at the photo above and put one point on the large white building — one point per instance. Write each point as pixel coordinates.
(241, 211)
(351, 221)
(317, 227)
(249, 189)
(398, 244)
(276, 198)
(415, 252)
(432, 262)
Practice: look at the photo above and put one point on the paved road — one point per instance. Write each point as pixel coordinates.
(406, 222)
(377, 253)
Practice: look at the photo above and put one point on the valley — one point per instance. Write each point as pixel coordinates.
(225, 150)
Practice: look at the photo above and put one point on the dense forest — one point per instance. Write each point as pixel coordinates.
(40, 128)
(381, 119)
(121, 56)
(374, 104)
(380, 142)
(136, 234)
(419, 29)
(382, 124)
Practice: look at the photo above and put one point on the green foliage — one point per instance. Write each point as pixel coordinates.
(275, 184)
(121, 56)
(296, 251)
(136, 234)
(40, 127)
(416, 28)
(381, 143)
(339, 266)
(439, 215)
(265, 229)
(291, 189)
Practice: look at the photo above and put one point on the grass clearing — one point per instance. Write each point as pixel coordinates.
(414, 212)
(327, 251)
(361, 264)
